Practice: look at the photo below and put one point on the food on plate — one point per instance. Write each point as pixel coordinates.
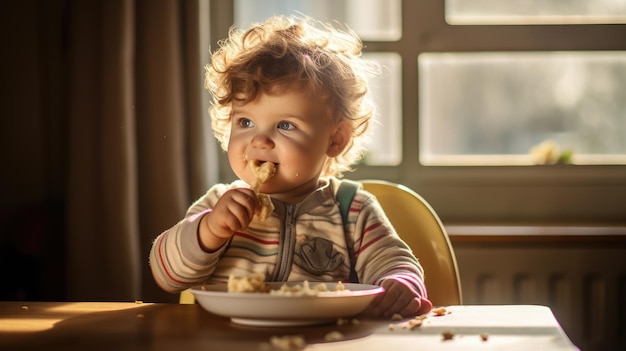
(251, 283)
(306, 289)
(263, 171)
(256, 283)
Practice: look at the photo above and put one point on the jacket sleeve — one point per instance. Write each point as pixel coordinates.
(378, 250)
(176, 259)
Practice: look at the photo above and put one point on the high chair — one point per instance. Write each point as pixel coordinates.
(420, 227)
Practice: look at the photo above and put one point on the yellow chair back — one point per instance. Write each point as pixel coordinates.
(420, 227)
(186, 298)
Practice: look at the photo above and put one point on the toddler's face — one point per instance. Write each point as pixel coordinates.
(290, 129)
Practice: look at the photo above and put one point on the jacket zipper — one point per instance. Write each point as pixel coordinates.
(287, 246)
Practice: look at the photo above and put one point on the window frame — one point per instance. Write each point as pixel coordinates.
(567, 194)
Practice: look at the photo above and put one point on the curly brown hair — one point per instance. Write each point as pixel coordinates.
(284, 52)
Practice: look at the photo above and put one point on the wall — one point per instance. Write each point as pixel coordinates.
(580, 277)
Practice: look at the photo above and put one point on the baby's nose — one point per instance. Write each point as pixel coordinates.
(262, 141)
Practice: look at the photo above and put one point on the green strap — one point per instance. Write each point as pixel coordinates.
(345, 195)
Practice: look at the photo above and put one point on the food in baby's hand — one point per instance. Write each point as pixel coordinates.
(263, 171)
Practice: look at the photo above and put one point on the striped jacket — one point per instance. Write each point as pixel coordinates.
(298, 242)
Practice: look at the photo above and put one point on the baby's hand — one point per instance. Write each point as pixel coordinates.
(398, 298)
(232, 212)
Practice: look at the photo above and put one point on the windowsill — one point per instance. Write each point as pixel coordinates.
(536, 234)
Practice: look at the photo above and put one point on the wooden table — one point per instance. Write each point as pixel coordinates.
(94, 326)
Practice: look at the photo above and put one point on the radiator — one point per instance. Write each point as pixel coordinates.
(584, 286)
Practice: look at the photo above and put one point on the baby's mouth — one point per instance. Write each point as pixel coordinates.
(255, 164)
(262, 170)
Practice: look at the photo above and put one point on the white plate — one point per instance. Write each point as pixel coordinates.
(264, 309)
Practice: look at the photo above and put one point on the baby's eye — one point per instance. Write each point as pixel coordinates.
(245, 123)
(284, 125)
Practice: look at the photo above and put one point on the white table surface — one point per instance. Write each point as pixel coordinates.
(507, 327)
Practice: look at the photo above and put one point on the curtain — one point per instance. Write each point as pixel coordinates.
(138, 145)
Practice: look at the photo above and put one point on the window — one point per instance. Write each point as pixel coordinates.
(575, 101)
(387, 131)
(370, 19)
(535, 11)
(472, 86)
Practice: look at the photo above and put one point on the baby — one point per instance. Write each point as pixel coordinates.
(290, 92)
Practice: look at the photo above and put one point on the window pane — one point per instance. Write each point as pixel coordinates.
(535, 11)
(370, 19)
(385, 148)
(493, 108)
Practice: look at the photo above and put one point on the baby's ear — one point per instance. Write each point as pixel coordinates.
(339, 139)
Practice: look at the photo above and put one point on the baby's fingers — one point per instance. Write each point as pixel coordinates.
(243, 206)
(397, 298)
(235, 209)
